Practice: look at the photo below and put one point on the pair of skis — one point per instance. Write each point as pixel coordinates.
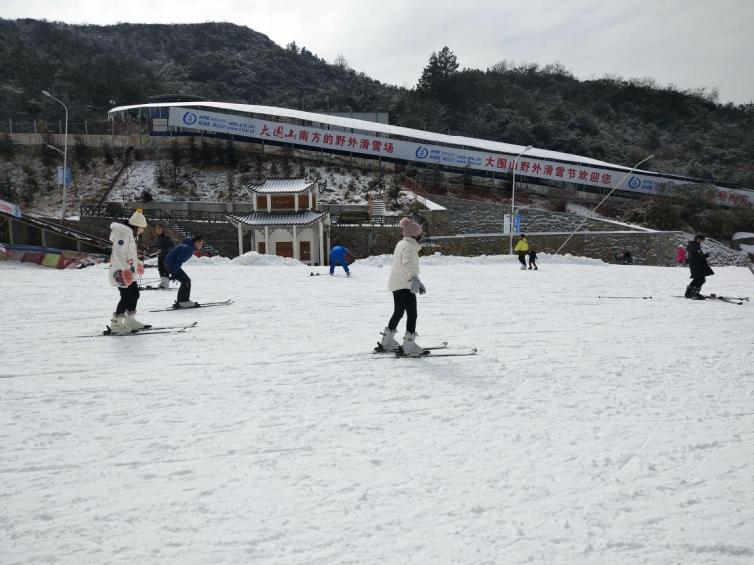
(442, 351)
(729, 299)
(147, 330)
(202, 305)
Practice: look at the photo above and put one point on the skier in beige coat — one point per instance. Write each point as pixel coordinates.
(404, 283)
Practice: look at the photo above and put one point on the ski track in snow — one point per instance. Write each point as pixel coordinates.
(585, 430)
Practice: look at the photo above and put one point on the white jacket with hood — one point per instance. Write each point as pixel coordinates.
(125, 255)
(405, 264)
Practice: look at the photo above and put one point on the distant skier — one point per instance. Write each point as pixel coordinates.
(680, 256)
(174, 263)
(698, 266)
(533, 259)
(522, 248)
(340, 255)
(404, 283)
(124, 268)
(164, 244)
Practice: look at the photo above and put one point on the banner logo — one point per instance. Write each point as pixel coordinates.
(634, 182)
(189, 118)
(421, 152)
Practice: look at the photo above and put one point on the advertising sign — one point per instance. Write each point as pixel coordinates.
(8, 208)
(360, 143)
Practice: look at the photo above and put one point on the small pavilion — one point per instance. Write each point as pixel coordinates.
(285, 221)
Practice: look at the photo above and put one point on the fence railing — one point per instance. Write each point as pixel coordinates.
(115, 210)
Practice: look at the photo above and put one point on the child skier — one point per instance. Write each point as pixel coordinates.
(124, 268)
(522, 248)
(698, 266)
(533, 259)
(339, 255)
(164, 244)
(174, 263)
(404, 283)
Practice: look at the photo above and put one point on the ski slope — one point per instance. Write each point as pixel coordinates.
(586, 430)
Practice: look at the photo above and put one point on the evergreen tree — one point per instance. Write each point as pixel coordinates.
(435, 75)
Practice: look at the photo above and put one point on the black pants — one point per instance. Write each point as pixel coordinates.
(695, 286)
(128, 298)
(185, 291)
(522, 259)
(161, 265)
(404, 301)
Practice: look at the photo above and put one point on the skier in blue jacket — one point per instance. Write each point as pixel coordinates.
(174, 264)
(339, 255)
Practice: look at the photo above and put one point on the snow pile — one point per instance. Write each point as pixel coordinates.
(250, 259)
(254, 259)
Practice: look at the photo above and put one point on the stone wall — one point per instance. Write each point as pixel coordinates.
(366, 240)
(647, 248)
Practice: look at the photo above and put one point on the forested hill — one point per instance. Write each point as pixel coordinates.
(620, 121)
(88, 66)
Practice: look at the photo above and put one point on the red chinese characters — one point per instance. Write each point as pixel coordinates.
(340, 140)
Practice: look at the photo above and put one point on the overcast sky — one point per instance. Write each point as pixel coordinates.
(689, 43)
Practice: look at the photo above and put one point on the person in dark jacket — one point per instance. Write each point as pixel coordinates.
(174, 263)
(698, 266)
(163, 244)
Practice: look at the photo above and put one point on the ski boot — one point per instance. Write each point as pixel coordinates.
(118, 324)
(185, 304)
(388, 342)
(410, 347)
(133, 324)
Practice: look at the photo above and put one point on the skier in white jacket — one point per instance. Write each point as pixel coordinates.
(404, 283)
(124, 268)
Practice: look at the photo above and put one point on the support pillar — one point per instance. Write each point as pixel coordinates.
(322, 260)
(296, 250)
(240, 239)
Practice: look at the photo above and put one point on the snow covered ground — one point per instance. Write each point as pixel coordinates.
(586, 430)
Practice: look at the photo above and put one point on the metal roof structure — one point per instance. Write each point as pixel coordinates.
(261, 219)
(365, 126)
(282, 185)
